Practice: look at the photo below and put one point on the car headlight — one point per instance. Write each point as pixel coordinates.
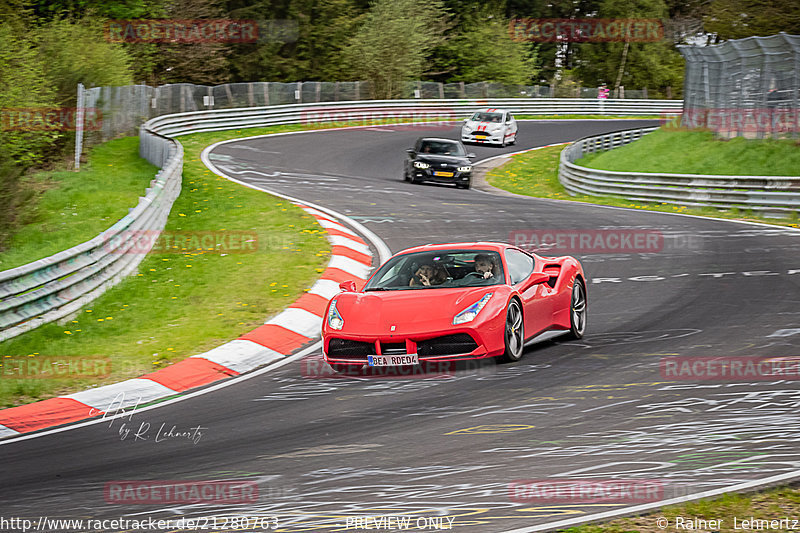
(469, 314)
(420, 164)
(467, 168)
(335, 320)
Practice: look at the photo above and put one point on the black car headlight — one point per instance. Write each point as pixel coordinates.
(420, 164)
(465, 168)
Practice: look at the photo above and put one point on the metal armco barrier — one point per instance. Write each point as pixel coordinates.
(378, 110)
(57, 286)
(776, 194)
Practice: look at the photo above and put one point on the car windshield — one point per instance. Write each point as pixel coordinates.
(441, 148)
(438, 270)
(482, 116)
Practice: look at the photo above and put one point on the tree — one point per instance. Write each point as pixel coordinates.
(76, 51)
(23, 84)
(482, 50)
(655, 65)
(735, 19)
(393, 43)
(196, 62)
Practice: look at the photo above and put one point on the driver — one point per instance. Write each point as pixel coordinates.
(485, 266)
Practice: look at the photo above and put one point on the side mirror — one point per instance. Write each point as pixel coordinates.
(535, 279)
(471, 156)
(348, 286)
(411, 152)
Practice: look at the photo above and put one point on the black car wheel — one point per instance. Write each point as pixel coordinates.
(577, 311)
(514, 333)
(463, 185)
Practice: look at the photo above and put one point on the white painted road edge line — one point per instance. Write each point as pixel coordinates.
(383, 253)
(641, 509)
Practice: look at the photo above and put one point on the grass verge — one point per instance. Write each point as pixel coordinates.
(777, 504)
(535, 173)
(64, 212)
(665, 150)
(182, 302)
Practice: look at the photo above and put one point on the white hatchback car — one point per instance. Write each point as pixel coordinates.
(490, 126)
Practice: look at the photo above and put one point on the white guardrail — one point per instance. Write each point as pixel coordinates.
(57, 286)
(779, 195)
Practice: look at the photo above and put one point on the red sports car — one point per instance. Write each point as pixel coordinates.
(445, 302)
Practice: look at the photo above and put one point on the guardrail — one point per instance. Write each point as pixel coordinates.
(377, 110)
(57, 286)
(774, 194)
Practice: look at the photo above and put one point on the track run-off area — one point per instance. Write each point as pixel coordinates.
(447, 451)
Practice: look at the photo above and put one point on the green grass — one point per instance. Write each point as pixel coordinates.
(64, 211)
(181, 304)
(771, 505)
(535, 173)
(666, 150)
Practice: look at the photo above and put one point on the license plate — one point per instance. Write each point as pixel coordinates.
(443, 174)
(392, 360)
(481, 137)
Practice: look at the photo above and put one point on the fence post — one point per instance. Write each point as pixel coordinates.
(462, 89)
(79, 129)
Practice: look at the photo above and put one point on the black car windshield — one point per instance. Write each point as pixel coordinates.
(441, 148)
(438, 270)
(481, 116)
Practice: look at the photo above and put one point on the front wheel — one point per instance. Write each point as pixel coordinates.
(577, 310)
(514, 333)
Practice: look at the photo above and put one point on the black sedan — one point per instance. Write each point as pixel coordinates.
(439, 160)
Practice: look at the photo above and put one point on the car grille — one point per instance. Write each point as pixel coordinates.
(481, 133)
(347, 349)
(460, 343)
(393, 348)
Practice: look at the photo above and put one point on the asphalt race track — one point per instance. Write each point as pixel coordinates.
(437, 449)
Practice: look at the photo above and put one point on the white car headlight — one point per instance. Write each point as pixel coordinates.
(420, 164)
(469, 314)
(465, 169)
(335, 320)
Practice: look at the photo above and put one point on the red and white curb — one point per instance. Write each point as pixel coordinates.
(293, 328)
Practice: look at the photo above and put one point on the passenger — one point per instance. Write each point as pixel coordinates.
(485, 265)
(427, 275)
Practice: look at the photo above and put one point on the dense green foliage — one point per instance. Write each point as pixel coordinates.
(48, 46)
